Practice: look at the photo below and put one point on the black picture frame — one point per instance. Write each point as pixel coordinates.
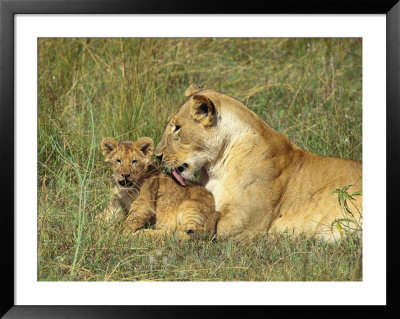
(8, 9)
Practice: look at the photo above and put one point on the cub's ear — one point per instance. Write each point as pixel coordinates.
(108, 144)
(192, 89)
(204, 110)
(146, 146)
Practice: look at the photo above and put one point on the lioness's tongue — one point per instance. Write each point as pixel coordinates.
(178, 177)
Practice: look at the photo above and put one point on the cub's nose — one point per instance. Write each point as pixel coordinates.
(159, 156)
(126, 175)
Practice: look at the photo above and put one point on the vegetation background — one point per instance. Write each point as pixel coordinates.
(308, 89)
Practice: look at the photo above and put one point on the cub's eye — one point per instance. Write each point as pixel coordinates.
(118, 161)
(177, 128)
(134, 161)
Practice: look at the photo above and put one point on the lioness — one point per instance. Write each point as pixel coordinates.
(260, 180)
(144, 194)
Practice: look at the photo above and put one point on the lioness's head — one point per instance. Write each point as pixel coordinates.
(129, 160)
(190, 138)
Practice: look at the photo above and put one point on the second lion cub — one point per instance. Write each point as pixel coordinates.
(145, 194)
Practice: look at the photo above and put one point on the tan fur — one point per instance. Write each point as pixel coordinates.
(152, 196)
(192, 89)
(261, 181)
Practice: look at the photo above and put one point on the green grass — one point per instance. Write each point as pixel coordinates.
(307, 89)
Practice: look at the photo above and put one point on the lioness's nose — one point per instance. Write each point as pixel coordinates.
(125, 175)
(158, 152)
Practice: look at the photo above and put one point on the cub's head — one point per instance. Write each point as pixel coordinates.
(129, 160)
(189, 140)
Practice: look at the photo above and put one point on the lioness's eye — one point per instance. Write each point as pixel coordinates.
(134, 161)
(118, 161)
(177, 128)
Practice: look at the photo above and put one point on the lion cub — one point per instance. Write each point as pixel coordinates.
(142, 193)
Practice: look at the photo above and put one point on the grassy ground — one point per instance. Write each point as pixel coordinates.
(307, 89)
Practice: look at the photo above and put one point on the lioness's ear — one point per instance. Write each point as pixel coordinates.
(146, 146)
(108, 144)
(192, 89)
(204, 110)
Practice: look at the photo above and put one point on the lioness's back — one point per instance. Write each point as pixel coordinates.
(305, 194)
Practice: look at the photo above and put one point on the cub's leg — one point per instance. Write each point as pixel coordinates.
(140, 213)
(114, 211)
(197, 220)
(190, 217)
(199, 223)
